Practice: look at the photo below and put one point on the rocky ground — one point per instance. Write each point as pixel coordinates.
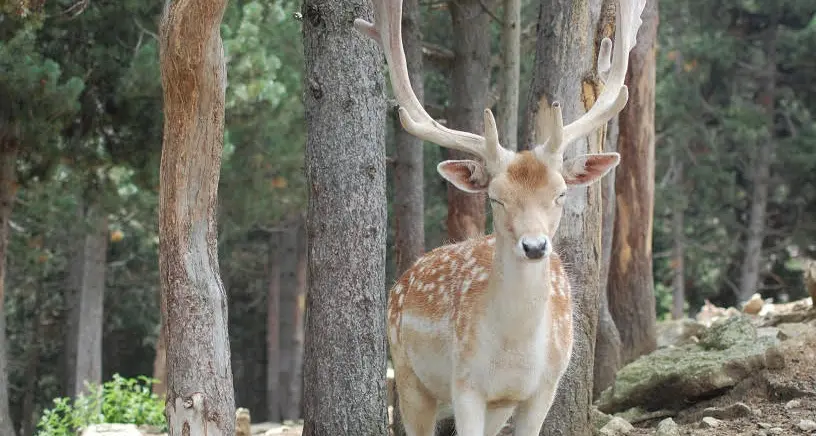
(727, 372)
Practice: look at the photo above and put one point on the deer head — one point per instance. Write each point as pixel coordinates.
(526, 189)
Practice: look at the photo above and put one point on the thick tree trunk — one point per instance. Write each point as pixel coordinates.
(200, 394)
(761, 177)
(288, 315)
(507, 121)
(678, 235)
(469, 85)
(274, 397)
(90, 302)
(345, 352)
(8, 190)
(607, 338)
(565, 71)
(409, 222)
(631, 285)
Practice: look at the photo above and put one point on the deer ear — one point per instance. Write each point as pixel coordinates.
(467, 175)
(588, 168)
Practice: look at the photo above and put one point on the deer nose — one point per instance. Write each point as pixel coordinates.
(535, 248)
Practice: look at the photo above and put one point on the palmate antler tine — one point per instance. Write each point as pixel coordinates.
(612, 72)
(387, 31)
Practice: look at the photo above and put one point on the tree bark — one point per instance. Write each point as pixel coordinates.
(90, 300)
(200, 394)
(763, 159)
(345, 350)
(607, 338)
(409, 222)
(565, 71)
(8, 190)
(631, 285)
(470, 82)
(678, 234)
(274, 397)
(510, 75)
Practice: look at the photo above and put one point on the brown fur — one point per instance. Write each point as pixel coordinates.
(526, 170)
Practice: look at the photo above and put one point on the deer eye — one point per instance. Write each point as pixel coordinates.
(559, 200)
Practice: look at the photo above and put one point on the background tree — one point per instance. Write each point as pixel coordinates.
(345, 356)
(199, 376)
(630, 285)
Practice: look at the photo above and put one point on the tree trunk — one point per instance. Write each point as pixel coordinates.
(607, 338)
(75, 273)
(160, 363)
(200, 394)
(409, 222)
(274, 397)
(631, 285)
(469, 85)
(678, 234)
(510, 75)
(90, 302)
(288, 312)
(763, 159)
(8, 191)
(345, 352)
(565, 71)
(301, 281)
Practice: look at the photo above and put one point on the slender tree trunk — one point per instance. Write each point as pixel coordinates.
(564, 71)
(409, 222)
(763, 159)
(470, 82)
(607, 338)
(678, 234)
(288, 315)
(160, 363)
(274, 397)
(510, 75)
(32, 360)
(631, 285)
(302, 284)
(8, 191)
(77, 266)
(345, 352)
(90, 300)
(200, 394)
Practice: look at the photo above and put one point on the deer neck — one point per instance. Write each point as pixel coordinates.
(519, 290)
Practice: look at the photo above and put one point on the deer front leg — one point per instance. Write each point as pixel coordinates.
(530, 414)
(469, 408)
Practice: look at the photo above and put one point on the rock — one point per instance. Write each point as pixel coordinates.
(776, 430)
(727, 353)
(242, 422)
(765, 425)
(112, 430)
(599, 419)
(617, 426)
(793, 404)
(807, 425)
(754, 305)
(678, 332)
(709, 422)
(792, 330)
(667, 427)
(734, 411)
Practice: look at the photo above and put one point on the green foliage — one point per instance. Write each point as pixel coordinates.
(120, 400)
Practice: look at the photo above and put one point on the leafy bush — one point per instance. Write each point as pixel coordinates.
(120, 400)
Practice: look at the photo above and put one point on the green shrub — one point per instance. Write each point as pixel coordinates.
(121, 400)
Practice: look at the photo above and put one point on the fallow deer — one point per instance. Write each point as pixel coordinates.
(485, 326)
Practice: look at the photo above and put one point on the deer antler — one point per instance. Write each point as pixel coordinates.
(612, 66)
(387, 31)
